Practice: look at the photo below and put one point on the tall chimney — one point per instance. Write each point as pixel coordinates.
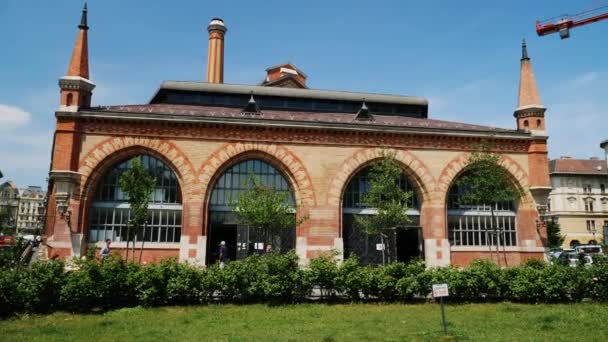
(215, 54)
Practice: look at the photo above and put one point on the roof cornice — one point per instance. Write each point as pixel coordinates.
(260, 122)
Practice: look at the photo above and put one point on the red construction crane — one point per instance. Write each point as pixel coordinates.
(564, 23)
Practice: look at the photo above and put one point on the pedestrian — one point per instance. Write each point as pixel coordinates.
(268, 249)
(105, 252)
(223, 254)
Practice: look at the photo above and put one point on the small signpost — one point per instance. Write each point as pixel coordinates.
(441, 290)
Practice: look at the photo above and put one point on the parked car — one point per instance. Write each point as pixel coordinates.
(555, 253)
(568, 258)
(7, 240)
(589, 249)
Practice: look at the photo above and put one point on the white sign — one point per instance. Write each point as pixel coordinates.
(259, 246)
(440, 290)
(379, 246)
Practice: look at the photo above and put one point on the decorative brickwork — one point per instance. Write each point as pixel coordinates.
(278, 156)
(294, 135)
(457, 165)
(414, 167)
(112, 150)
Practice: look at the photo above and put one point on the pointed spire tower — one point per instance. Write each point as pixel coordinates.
(530, 113)
(76, 88)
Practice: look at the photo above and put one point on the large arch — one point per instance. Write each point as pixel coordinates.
(457, 165)
(221, 223)
(415, 173)
(109, 209)
(280, 157)
(414, 168)
(96, 164)
(116, 148)
(516, 220)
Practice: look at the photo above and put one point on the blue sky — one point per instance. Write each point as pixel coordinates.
(461, 55)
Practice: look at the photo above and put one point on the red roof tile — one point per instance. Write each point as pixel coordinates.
(578, 166)
(296, 116)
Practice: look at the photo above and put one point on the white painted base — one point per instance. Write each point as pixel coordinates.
(301, 248)
(431, 249)
(339, 248)
(77, 241)
(200, 246)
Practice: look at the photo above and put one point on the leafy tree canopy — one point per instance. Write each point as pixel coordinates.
(485, 181)
(385, 195)
(262, 206)
(138, 185)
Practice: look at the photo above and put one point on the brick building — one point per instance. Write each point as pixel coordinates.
(200, 139)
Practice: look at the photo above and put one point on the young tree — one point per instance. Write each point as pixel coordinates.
(386, 196)
(263, 207)
(4, 220)
(138, 185)
(554, 237)
(485, 182)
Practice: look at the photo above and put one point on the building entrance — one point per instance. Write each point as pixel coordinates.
(409, 244)
(217, 234)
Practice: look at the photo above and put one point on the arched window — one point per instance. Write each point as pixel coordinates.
(538, 122)
(526, 125)
(69, 99)
(574, 243)
(472, 224)
(224, 224)
(368, 248)
(110, 211)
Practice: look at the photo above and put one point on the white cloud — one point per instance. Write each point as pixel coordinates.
(12, 117)
(583, 80)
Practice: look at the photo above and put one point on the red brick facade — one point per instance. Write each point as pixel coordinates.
(317, 161)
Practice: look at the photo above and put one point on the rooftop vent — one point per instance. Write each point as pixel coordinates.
(251, 107)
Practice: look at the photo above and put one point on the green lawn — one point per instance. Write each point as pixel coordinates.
(318, 322)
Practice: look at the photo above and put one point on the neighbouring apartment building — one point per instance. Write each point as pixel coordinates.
(579, 199)
(26, 207)
(201, 140)
(9, 201)
(31, 212)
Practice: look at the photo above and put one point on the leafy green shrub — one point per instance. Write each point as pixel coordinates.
(150, 282)
(113, 286)
(483, 281)
(79, 293)
(350, 278)
(284, 281)
(10, 301)
(323, 272)
(186, 286)
(40, 286)
(597, 277)
(454, 277)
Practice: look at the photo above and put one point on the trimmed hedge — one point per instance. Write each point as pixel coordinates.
(114, 283)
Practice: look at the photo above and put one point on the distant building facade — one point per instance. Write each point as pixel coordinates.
(579, 199)
(201, 140)
(9, 201)
(31, 211)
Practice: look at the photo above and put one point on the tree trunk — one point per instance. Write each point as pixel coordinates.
(383, 247)
(128, 239)
(495, 229)
(141, 252)
(133, 246)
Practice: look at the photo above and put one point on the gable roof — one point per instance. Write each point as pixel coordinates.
(578, 166)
